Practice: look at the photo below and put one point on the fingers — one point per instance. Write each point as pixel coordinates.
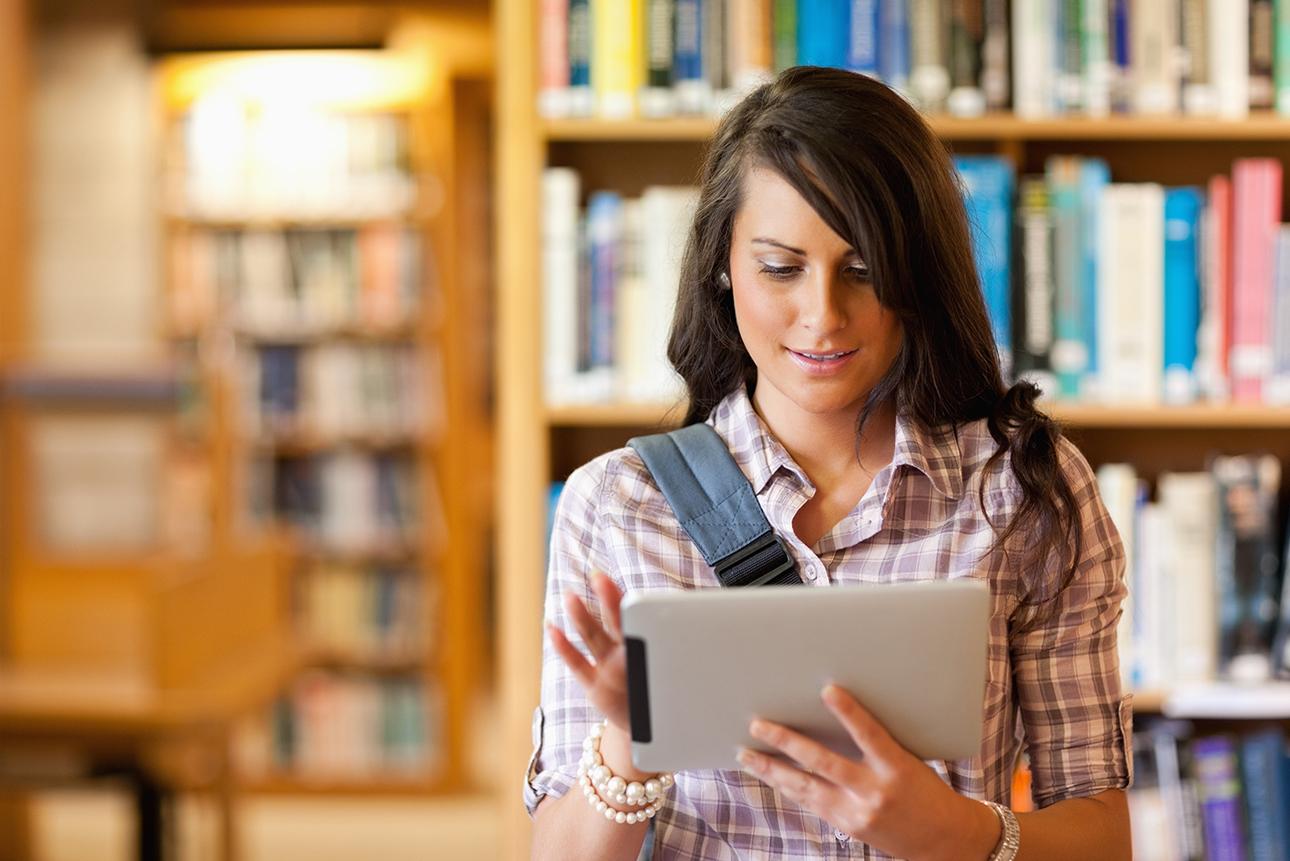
(865, 730)
(583, 670)
(813, 756)
(598, 640)
(808, 790)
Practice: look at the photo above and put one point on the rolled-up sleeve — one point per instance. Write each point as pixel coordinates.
(563, 717)
(1077, 723)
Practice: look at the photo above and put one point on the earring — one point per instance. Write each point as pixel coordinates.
(724, 280)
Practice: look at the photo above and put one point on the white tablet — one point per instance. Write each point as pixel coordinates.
(701, 665)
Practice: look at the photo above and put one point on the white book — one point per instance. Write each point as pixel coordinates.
(929, 78)
(1130, 293)
(1097, 58)
(1118, 485)
(1190, 504)
(631, 306)
(1154, 593)
(1276, 390)
(1154, 64)
(560, 190)
(1033, 52)
(1229, 55)
(667, 213)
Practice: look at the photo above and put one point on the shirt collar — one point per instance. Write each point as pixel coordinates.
(935, 453)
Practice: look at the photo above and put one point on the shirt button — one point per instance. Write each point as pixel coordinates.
(842, 836)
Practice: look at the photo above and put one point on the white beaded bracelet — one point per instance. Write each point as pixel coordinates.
(599, 783)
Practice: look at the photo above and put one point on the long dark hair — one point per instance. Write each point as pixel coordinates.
(866, 161)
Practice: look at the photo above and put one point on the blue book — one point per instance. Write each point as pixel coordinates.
(1094, 175)
(893, 43)
(580, 43)
(1182, 291)
(1263, 770)
(988, 183)
(862, 51)
(1215, 759)
(687, 57)
(1071, 325)
(823, 34)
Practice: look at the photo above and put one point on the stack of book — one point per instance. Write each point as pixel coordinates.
(1210, 796)
(652, 58)
(1205, 586)
(364, 610)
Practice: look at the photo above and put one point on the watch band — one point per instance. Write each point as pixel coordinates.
(1010, 838)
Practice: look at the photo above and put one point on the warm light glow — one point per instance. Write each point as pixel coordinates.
(330, 80)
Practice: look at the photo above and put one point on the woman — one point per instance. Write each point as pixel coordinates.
(831, 328)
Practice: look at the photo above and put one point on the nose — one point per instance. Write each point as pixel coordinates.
(822, 310)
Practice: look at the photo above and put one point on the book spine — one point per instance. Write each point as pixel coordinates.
(862, 49)
(988, 183)
(716, 57)
(1034, 288)
(1070, 353)
(750, 44)
(604, 228)
(1277, 391)
(660, 55)
(1281, 55)
(1198, 89)
(1068, 65)
(823, 32)
(693, 93)
(1261, 54)
(1215, 336)
(784, 29)
(560, 189)
(893, 50)
(1094, 175)
(1220, 792)
(1265, 813)
(1191, 512)
(1131, 293)
(1032, 50)
(967, 33)
(1229, 52)
(1182, 293)
(553, 48)
(1096, 58)
(1121, 67)
(1256, 213)
(1155, 81)
(929, 76)
(996, 60)
(582, 101)
(616, 61)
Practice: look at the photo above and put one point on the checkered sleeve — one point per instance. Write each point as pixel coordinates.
(1065, 664)
(563, 716)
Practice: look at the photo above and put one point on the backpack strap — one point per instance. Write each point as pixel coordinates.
(716, 506)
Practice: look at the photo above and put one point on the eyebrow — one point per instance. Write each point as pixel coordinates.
(799, 252)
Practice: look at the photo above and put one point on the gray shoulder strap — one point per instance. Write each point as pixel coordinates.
(716, 505)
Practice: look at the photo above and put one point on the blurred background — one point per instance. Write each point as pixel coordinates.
(307, 308)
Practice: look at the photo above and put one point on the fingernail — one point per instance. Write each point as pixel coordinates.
(749, 760)
(831, 693)
(757, 728)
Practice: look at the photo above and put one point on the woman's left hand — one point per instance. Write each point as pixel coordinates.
(888, 799)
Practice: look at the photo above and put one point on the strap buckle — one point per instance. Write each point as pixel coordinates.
(763, 561)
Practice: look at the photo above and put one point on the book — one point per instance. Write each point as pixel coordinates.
(988, 186)
(784, 33)
(1262, 25)
(749, 44)
(1178, 789)
(1266, 782)
(1182, 293)
(1033, 51)
(693, 89)
(1070, 350)
(582, 101)
(1096, 57)
(657, 99)
(1276, 391)
(1130, 293)
(1281, 56)
(1218, 779)
(996, 56)
(616, 65)
(1256, 215)
(929, 74)
(862, 42)
(1190, 506)
(966, 37)
(1229, 56)
(1246, 563)
(1214, 337)
(823, 32)
(893, 44)
(1068, 58)
(553, 54)
(1198, 88)
(1156, 81)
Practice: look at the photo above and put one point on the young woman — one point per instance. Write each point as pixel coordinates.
(831, 328)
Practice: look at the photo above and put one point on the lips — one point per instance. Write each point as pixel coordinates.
(821, 362)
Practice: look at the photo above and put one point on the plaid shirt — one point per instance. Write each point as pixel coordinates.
(1053, 676)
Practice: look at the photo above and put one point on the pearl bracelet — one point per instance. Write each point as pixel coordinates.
(599, 783)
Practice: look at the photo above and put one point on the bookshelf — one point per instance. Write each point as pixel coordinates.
(540, 443)
(342, 352)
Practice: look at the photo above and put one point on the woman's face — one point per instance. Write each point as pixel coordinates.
(805, 305)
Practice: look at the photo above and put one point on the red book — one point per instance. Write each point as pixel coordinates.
(1256, 214)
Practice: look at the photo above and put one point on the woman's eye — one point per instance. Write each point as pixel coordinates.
(778, 272)
(859, 272)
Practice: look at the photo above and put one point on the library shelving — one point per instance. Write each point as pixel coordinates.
(541, 443)
(315, 241)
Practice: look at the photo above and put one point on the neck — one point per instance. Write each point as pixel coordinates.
(824, 444)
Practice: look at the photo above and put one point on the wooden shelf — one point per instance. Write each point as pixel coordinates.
(306, 443)
(301, 222)
(356, 332)
(1090, 416)
(396, 662)
(1259, 126)
(377, 785)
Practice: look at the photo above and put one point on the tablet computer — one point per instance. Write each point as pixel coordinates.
(702, 664)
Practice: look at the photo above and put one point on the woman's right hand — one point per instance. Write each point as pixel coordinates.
(604, 678)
